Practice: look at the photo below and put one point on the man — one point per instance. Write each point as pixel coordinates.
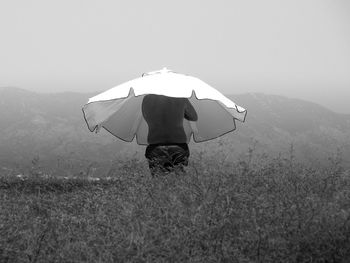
(167, 142)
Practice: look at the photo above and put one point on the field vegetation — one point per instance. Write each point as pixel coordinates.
(256, 209)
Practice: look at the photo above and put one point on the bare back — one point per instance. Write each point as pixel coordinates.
(164, 116)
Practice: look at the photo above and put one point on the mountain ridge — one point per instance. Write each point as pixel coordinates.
(229, 95)
(52, 126)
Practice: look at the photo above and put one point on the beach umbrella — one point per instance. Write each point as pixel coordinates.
(118, 110)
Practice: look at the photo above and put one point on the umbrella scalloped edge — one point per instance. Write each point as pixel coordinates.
(97, 127)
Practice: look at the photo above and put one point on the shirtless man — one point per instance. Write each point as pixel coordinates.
(167, 142)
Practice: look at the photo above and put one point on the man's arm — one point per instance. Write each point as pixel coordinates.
(146, 105)
(190, 112)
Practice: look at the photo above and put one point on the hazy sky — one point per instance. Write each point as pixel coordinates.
(297, 48)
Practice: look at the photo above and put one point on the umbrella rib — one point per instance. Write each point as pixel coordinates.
(234, 118)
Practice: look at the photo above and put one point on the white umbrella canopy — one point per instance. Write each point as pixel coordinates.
(118, 110)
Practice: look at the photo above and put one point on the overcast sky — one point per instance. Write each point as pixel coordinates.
(296, 48)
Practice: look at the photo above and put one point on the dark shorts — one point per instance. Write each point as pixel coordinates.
(167, 157)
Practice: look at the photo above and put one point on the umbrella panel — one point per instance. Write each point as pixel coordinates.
(127, 122)
(213, 120)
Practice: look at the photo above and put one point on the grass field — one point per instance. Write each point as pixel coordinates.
(254, 210)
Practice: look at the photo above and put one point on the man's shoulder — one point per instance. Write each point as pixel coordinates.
(154, 98)
(149, 97)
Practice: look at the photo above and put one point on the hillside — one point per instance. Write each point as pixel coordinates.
(276, 122)
(51, 128)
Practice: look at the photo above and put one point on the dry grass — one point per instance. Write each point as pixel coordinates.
(256, 210)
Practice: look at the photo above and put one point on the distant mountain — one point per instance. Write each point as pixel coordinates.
(275, 122)
(52, 127)
(49, 126)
